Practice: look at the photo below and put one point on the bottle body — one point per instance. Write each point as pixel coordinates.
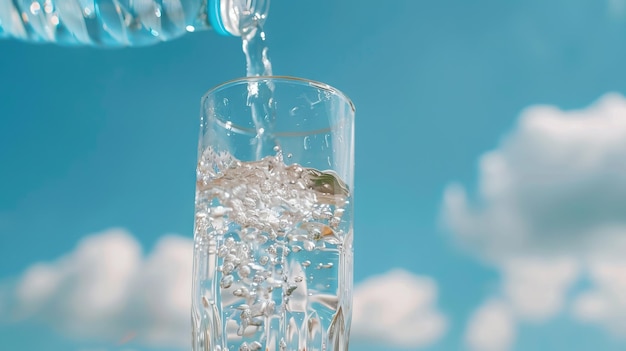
(114, 23)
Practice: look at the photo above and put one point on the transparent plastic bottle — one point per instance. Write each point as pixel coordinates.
(115, 23)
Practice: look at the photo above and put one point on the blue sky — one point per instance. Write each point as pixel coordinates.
(490, 144)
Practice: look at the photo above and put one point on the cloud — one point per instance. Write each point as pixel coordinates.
(397, 309)
(536, 288)
(491, 327)
(107, 290)
(549, 209)
(605, 303)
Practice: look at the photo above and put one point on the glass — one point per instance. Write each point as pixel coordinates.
(273, 254)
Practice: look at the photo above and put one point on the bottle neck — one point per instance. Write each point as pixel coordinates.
(237, 17)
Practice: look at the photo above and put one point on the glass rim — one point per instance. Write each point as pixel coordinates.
(291, 79)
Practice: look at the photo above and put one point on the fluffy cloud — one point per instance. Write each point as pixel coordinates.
(536, 288)
(605, 303)
(550, 206)
(399, 309)
(491, 327)
(107, 290)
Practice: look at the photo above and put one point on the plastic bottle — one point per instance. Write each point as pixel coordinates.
(114, 23)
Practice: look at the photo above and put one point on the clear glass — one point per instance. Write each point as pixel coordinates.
(273, 254)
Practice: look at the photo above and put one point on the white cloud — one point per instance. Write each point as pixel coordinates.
(107, 290)
(104, 289)
(605, 303)
(536, 288)
(397, 309)
(551, 206)
(555, 184)
(491, 327)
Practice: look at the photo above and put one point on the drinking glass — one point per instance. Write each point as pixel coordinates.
(273, 253)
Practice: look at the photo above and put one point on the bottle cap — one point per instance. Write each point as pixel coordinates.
(237, 17)
(215, 17)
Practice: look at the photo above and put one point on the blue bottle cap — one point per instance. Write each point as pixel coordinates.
(215, 18)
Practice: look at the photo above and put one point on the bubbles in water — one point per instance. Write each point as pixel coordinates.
(226, 281)
(241, 292)
(267, 222)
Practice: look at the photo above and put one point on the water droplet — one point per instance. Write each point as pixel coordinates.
(307, 142)
(298, 279)
(289, 155)
(306, 263)
(293, 111)
(255, 345)
(296, 248)
(35, 8)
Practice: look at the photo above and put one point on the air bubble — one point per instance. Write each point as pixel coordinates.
(244, 271)
(222, 251)
(229, 242)
(227, 268)
(263, 260)
(241, 292)
(309, 245)
(226, 281)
